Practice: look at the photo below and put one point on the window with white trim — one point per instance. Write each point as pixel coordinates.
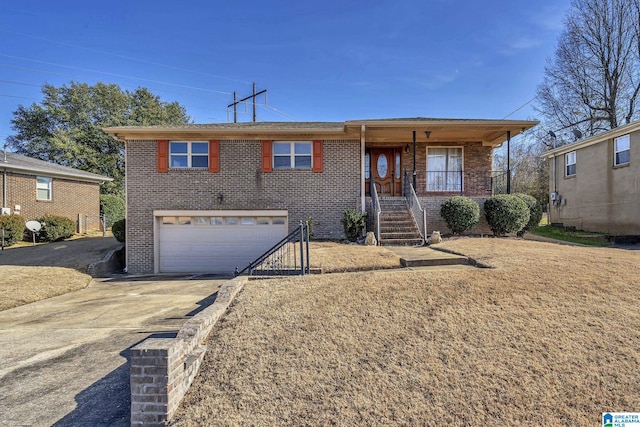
(292, 155)
(186, 154)
(570, 164)
(621, 150)
(43, 188)
(444, 169)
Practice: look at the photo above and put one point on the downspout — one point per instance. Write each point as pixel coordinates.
(4, 188)
(362, 178)
(4, 179)
(508, 162)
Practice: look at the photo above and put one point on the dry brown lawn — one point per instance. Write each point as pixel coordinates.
(21, 285)
(334, 257)
(550, 336)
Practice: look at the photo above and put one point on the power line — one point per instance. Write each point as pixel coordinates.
(125, 56)
(115, 74)
(519, 108)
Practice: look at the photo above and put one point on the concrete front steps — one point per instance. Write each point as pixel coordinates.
(397, 227)
(426, 257)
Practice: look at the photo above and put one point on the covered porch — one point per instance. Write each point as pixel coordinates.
(426, 161)
(437, 157)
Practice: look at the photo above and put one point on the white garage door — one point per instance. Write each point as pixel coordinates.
(215, 241)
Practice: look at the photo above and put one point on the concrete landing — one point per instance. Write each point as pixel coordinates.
(423, 256)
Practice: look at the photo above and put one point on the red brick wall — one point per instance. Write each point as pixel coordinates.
(322, 196)
(69, 198)
(477, 165)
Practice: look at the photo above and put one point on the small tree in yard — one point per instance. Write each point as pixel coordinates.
(353, 223)
(506, 213)
(535, 213)
(460, 213)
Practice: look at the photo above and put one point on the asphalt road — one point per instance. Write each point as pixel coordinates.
(65, 359)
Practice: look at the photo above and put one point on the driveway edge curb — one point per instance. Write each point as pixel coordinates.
(162, 369)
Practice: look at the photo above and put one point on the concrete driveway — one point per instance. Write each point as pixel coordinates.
(64, 359)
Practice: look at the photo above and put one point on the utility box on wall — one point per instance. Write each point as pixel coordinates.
(5, 211)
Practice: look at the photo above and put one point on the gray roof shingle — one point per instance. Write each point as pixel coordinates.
(19, 163)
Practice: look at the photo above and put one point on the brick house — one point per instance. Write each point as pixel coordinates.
(206, 198)
(33, 188)
(593, 183)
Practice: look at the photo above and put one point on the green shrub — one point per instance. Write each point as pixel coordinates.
(55, 228)
(353, 223)
(13, 228)
(112, 207)
(460, 213)
(119, 230)
(506, 213)
(535, 212)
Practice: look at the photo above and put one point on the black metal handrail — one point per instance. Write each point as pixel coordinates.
(290, 256)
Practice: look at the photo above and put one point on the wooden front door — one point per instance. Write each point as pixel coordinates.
(385, 171)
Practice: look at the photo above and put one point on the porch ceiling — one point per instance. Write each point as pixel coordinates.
(489, 132)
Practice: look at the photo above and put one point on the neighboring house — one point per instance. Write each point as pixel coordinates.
(33, 188)
(594, 184)
(209, 198)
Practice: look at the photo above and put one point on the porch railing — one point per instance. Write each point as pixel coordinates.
(470, 183)
(375, 205)
(418, 212)
(290, 256)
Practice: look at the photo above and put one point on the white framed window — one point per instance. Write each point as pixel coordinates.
(186, 154)
(444, 169)
(570, 164)
(43, 188)
(621, 150)
(292, 155)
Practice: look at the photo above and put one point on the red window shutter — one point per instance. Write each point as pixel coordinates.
(266, 156)
(163, 156)
(214, 156)
(317, 156)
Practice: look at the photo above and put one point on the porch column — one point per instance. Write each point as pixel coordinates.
(362, 177)
(414, 162)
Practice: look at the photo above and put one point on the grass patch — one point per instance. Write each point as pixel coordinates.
(548, 337)
(335, 257)
(581, 237)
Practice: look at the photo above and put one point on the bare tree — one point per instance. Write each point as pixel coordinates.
(593, 82)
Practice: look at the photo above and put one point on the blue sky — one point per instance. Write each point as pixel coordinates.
(319, 61)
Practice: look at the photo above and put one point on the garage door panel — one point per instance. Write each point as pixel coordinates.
(218, 248)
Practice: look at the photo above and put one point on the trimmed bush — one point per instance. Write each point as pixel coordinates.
(353, 223)
(460, 213)
(55, 228)
(506, 213)
(119, 230)
(112, 207)
(535, 212)
(13, 228)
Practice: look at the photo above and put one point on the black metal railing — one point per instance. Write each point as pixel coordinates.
(466, 183)
(290, 256)
(417, 211)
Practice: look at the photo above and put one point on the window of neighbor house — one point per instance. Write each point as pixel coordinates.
(43, 188)
(621, 150)
(184, 154)
(444, 169)
(570, 162)
(292, 155)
